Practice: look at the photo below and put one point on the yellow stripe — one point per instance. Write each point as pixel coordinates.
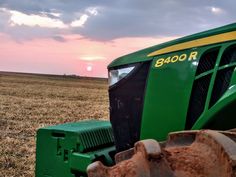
(197, 43)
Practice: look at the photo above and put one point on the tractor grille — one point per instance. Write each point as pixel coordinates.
(197, 100)
(229, 56)
(201, 86)
(126, 106)
(221, 80)
(207, 61)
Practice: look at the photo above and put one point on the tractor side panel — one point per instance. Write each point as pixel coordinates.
(167, 93)
(183, 88)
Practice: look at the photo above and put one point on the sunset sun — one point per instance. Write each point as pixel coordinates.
(89, 68)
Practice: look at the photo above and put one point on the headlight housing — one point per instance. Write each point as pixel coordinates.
(116, 75)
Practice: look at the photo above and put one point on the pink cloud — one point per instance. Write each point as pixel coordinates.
(70, 57)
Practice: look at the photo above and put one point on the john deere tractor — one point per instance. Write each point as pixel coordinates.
(186, 86)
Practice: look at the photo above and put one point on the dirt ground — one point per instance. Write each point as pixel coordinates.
(28, 102)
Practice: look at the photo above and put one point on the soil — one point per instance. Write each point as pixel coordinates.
(29, 102)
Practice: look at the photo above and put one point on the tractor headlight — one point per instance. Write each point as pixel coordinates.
(116, 75)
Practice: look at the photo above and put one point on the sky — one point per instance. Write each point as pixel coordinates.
(82, 37)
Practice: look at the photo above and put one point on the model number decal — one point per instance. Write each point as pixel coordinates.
(176, 58)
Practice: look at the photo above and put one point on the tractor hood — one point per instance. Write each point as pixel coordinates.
(214, 36)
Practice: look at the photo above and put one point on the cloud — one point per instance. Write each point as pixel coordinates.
(92, 58)
(153, 19)
(59, 38)
(25, 33)
(18, 18)
(92, 11)
(80, 22)
(106, 20)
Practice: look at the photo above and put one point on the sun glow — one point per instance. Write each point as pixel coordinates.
(89, 68)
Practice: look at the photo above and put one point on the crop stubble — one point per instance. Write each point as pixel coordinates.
(28, 102)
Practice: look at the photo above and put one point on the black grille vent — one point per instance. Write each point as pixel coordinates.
(221, 84)
(126, 106)
(229, 56)
(197, 100)
(207, 60)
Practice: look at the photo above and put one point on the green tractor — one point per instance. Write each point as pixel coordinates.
(186, 86)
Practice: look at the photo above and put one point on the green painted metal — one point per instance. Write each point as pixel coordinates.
(222, 115)
(66, 150)
(141, 56)
(166, 104)
(167, 96)
(169, 88)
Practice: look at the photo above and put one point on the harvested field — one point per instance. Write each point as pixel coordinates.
(28, 102)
